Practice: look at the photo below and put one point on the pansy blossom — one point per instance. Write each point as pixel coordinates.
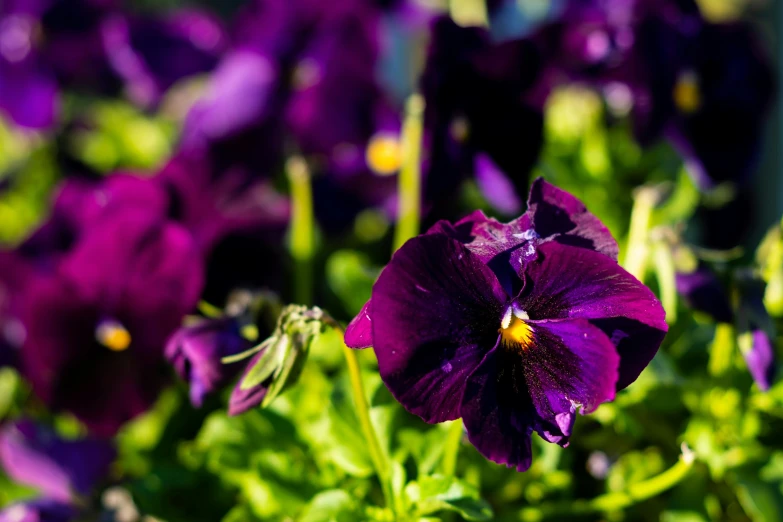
(513, 327)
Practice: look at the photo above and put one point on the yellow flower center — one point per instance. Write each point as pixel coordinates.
(384, 153)
(517, 333)
(687, 95)
(113, 336)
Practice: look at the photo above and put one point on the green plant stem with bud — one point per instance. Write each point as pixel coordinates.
(409, 178)
(619, 500)
(302, 229)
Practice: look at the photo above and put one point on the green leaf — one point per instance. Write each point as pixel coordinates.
(345, 442)
(438, 493)
(332, 506)
(760, 500)
(350, 275)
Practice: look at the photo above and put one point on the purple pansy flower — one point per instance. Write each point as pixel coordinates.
(97, 323)
(513, 327)
(61, 469)
(196, 351)
(483, 113)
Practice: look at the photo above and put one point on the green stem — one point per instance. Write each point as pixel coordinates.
(302, 229)
(665, 273)
(409, 179)
(451, 447)
(721, 349)
(363, 412)
(636, 253)
(618, 500)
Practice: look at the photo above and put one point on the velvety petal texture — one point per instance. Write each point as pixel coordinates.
(434, 311)
(514, 327)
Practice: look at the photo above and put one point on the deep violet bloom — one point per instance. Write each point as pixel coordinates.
(61, 469)
(513, 327)
(196, 352)
(152, 53)
(483, 114)
(97, 322)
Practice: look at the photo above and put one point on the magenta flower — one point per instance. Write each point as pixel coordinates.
(513, 327)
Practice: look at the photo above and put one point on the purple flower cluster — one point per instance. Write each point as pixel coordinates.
(513, 327)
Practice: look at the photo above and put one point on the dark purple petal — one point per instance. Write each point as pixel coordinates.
(702, 292)
(569, 282)
(554, 213)
(244, 400)
(571, 365)
(358, 333)
(435, 313)
(498, 413)
(760, 358)
(197, 351)
(39, 510)
(34, 455)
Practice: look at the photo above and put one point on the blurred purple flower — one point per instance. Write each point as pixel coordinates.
(756, 330)
(483, 114)
(45, 45)
(196, 351)
(152, 53)
(97, 323)
(61, 469)
(513, 327)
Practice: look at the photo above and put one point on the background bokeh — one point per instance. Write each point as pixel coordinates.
(203, 163)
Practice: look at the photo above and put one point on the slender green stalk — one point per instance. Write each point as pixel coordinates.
(451, 447)
(409, 178)
(665, 273)
(302, 229)
(636, 253)
(722, 349)
(618, 500)
(363, 412)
